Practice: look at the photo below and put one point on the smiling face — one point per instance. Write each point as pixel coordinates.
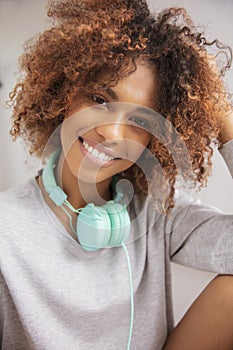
(107, 130)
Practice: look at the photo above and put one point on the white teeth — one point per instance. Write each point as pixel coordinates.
(96, 153)
(102, 156)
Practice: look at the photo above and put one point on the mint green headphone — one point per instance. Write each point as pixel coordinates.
(97, 226)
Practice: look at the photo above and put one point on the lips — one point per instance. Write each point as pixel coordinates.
(96, 156)
(99, 147)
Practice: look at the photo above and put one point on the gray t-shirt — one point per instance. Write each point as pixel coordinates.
(55, 295)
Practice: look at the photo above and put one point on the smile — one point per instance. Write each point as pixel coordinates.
(94, 155)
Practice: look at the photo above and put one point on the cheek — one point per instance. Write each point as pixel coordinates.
(141, 138)
(137, 145)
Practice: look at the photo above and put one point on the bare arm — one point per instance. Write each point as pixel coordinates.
(208, 324)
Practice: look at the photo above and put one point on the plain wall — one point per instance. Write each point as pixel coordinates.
(21, 19)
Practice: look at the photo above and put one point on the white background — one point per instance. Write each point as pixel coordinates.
(20, 20)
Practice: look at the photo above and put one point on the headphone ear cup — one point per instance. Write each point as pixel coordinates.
(105, 226)
(97, 227)
(93, 227)
(120, 223)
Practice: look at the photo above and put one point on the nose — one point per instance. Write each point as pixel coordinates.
(113, 133)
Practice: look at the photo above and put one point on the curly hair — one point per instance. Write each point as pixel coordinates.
(88, 37)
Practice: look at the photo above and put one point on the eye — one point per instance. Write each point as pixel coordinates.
(99, 99)
(142, 122)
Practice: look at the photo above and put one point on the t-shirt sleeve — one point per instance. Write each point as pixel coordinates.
(201, 236)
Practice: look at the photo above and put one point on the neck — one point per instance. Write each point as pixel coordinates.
(80, 192)
(94, 193)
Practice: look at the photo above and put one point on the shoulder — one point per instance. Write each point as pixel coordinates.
(19, 192)
(144, 213)
(16, 201)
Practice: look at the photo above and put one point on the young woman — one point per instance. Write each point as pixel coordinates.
(112, 95)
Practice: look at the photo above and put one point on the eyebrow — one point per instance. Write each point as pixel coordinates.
(145, 110)
(112, 93)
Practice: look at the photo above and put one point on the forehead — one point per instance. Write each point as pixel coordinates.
(139, 87)
(141, 82)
